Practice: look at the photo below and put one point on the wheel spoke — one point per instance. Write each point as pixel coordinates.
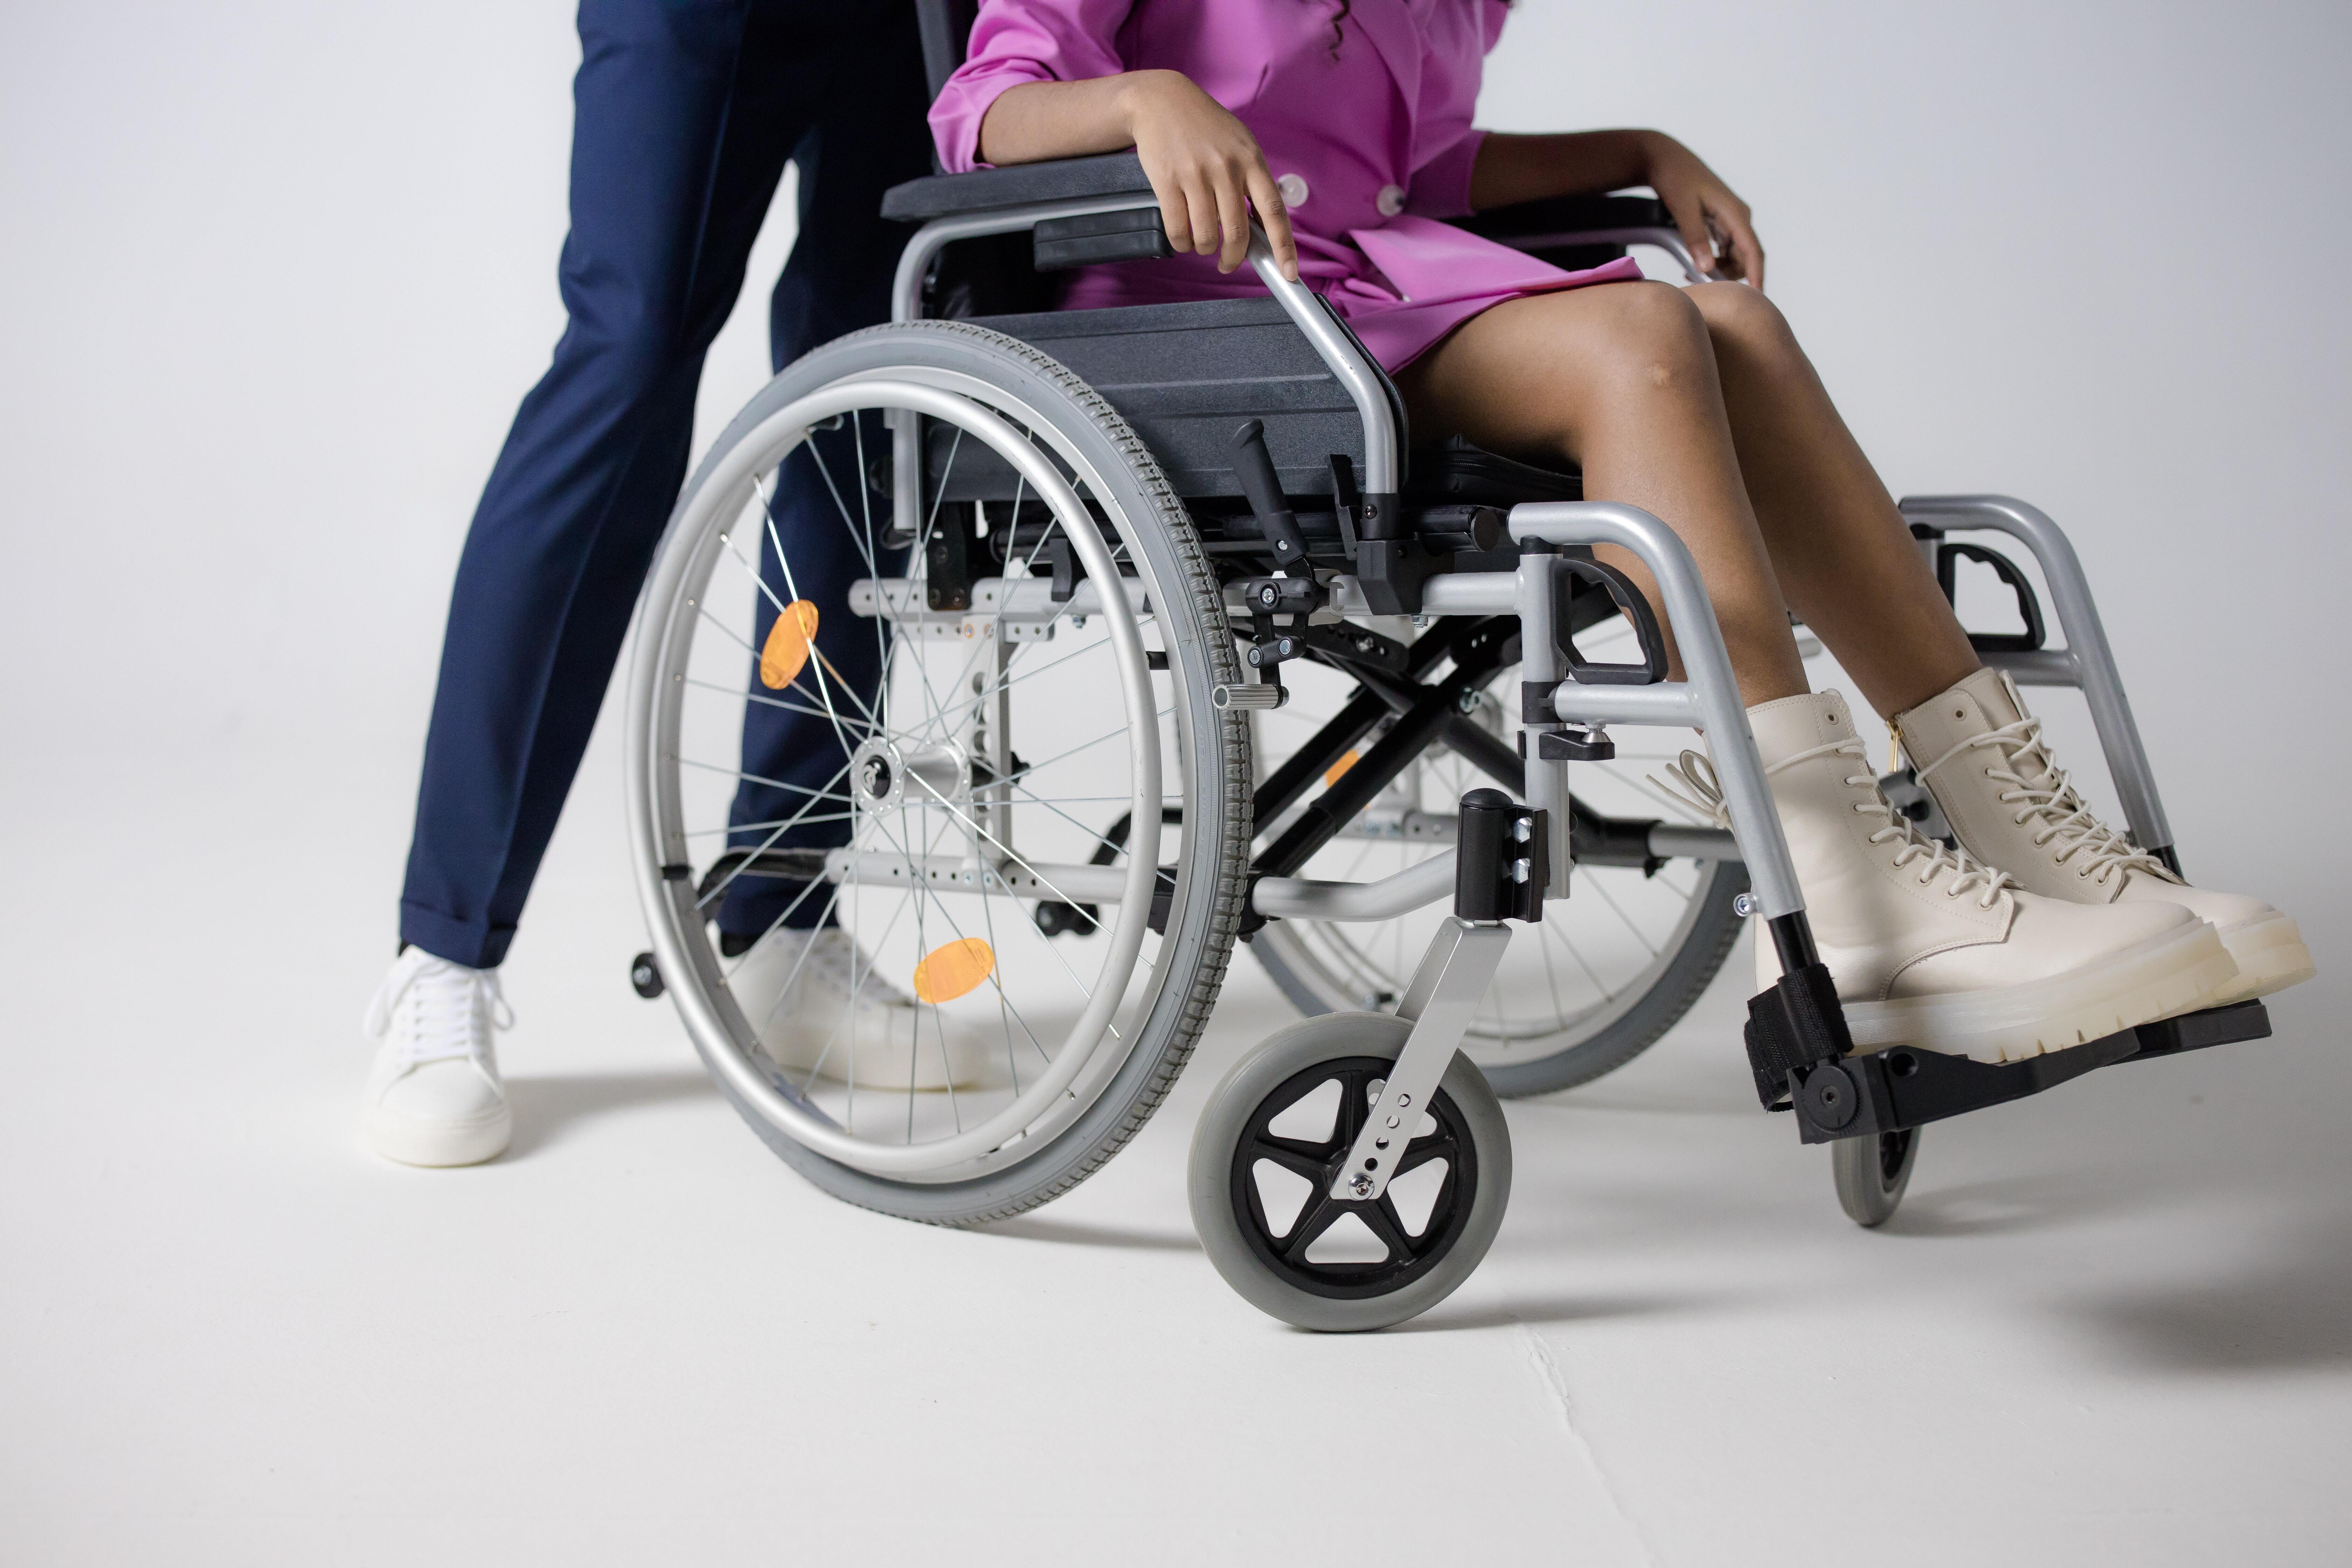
(1322, 1212)
(1438, 1146)
(1315, 1167)
(1382, 1219)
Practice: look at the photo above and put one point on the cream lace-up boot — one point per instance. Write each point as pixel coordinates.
(1929, 948)
(1983, 757)
(822, 1010)
(435, 1097)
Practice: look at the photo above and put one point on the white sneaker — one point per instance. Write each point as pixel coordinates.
(822, 1010)
(436, 1098)
(1983, 757)
(1929, 948)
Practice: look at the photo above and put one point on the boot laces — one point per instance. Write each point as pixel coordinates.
(2044, 794)
(1703, 790)
(442, 1011)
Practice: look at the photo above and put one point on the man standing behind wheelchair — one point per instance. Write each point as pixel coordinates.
(687, 112)
(1343, 126)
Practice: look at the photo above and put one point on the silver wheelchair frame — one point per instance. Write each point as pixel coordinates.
(1798, 1042)
(1511, 855)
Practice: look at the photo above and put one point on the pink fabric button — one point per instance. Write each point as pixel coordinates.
(1294, 190)
(1390, 201)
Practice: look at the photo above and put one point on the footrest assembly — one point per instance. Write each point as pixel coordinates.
(1888, 1090)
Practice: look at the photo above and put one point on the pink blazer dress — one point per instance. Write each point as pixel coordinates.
(1371, 143)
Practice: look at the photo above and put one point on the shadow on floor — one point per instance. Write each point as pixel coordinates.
(547, 1106)
(2284, 1315)
(1036, 1227)
(1447, 1319)
(2016, 1205)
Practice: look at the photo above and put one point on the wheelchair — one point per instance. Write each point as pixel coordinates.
(1182, 642)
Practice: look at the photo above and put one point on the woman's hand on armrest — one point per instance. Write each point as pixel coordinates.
(1713, 221)
(1203, 164)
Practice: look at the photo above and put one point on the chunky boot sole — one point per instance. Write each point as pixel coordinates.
(2269, 956)
(2176, 972)
(413, 1140)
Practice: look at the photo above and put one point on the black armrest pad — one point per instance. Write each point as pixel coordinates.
(1566, 215)
(1065, 179)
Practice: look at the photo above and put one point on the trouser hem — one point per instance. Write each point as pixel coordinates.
(477, 944)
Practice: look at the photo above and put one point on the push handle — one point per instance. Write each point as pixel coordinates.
(1635, 604)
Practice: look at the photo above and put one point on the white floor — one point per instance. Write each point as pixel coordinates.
(2111, 1325)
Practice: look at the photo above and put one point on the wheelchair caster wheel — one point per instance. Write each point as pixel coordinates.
(645, 977)
(1268, 1151)
(1872, 1174)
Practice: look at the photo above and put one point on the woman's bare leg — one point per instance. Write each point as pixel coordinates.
(1621, 381)
(1845, 562)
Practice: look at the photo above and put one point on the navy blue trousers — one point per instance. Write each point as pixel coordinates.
(687, 112)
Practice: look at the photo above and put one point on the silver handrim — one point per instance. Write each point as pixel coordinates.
(1600, 952)
(1043, 1027)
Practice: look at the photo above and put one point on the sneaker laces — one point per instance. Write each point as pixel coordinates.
(836, 957)
(2046, 796)
(450, 1011)
(1701, 789)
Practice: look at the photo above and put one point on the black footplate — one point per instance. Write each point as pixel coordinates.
(1888, 1090)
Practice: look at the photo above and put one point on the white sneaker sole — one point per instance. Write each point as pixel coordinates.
(2269, 956)
(2173, 973)
(411, 1141)
(883, 1066)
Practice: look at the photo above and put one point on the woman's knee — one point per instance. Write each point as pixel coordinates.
(1737, 315)
(1651, 333)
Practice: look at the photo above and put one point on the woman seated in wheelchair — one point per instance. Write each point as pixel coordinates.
(1344, 126)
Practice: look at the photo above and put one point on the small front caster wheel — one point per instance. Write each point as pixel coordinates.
(1268, 1151)
(645, 976)
(1872, 1174)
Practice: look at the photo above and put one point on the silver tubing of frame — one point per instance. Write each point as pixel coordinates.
(1711, 696)
(2043, 666)
(1416, 887)
(1670, 842)
(1444, 997)
(2086, 641)
(1471, 593)
(1383, 472)
(1547, 782)
(1670, 702)
(907, 287)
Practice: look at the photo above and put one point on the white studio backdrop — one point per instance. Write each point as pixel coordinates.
(276, 276)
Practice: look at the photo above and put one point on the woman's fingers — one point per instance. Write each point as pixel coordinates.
(1201, 207)
(1690, 221)
(1267, 197)
(1175, 215)
(1746, 253)
(1233, 218)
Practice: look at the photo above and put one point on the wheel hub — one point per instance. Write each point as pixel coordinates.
(883, 774)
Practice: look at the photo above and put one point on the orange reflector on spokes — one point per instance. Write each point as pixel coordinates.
(952, 970)
(787, 648)
(1331, 774)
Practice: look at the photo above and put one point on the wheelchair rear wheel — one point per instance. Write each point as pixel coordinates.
(949, 757)
(1614, 965)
